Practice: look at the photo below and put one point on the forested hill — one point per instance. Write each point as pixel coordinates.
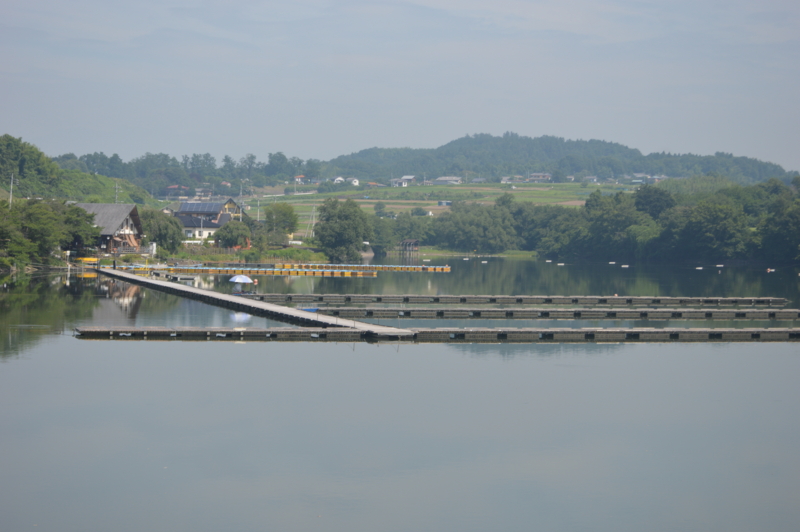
(492, 157)
(36, 175)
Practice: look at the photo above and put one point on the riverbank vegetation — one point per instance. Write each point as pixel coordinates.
(652, 224)
(31, 230)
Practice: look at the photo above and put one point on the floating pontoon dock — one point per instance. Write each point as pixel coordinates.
(445, 335)
(314, 270)
(562, 313)
(259, 308)
(333, 324)
(635, 301)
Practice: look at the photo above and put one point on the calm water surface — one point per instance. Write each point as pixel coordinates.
(99, 435)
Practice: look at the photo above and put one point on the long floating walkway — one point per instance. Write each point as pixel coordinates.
(365, 267)
(445, 335)
(365, 299)
(259, 308)
(210, 270)
(624, 313)
(316, 270)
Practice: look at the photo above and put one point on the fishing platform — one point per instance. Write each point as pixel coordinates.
(334, 324)
(634, 301)
(562, 313)
(445, 335)
(286, 269)
(259, 308)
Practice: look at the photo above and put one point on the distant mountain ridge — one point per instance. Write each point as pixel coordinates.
(493, 157)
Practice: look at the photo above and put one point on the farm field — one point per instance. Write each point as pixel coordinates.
(400, 200)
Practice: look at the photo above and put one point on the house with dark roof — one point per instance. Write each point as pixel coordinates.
(120, 228)
(202, 219)
(210, 211)
(197, 227)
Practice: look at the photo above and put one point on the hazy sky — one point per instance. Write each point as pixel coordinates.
(317, 78)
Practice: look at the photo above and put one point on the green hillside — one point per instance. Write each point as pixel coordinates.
(492, 157)
(37, 176)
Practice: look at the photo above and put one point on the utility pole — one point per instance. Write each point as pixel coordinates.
(11, 193)
(258, 210)
(116, 191)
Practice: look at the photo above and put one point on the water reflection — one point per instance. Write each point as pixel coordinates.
(31, 306)
(350, 438)
(533, 277)
(124, 296)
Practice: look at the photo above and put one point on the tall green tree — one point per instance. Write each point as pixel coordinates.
(233, 233)
(280, 217)
(163, 229)
(342, 230)
(715, 232)
(653, 200)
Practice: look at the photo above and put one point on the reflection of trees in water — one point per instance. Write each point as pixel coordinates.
(155, 302)
(535, 350)
(31, 307)
(531, 277)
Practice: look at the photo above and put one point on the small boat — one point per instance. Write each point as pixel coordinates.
(699, 268)
(612, 262)
(624, 266)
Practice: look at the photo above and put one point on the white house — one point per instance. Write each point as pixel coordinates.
(353, 181)
(447, 180)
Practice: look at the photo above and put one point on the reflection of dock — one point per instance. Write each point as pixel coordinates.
(616, 301)
(258, 308)
(447, 335)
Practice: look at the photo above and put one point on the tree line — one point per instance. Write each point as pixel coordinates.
(652, 224)
(36, 175)
(157, 172)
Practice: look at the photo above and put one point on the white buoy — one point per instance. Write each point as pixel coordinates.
(720, 265)
(560, 264)
(624, 266)
(484, 261)
(612, 262)
(426, 260)
(466, 258)
(699, 268)
(548, 260)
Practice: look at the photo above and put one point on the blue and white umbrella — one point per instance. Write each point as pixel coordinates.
(240, 279)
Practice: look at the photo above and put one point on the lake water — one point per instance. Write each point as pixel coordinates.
(116, 435)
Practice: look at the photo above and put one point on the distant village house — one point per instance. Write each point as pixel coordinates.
(202, 219)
